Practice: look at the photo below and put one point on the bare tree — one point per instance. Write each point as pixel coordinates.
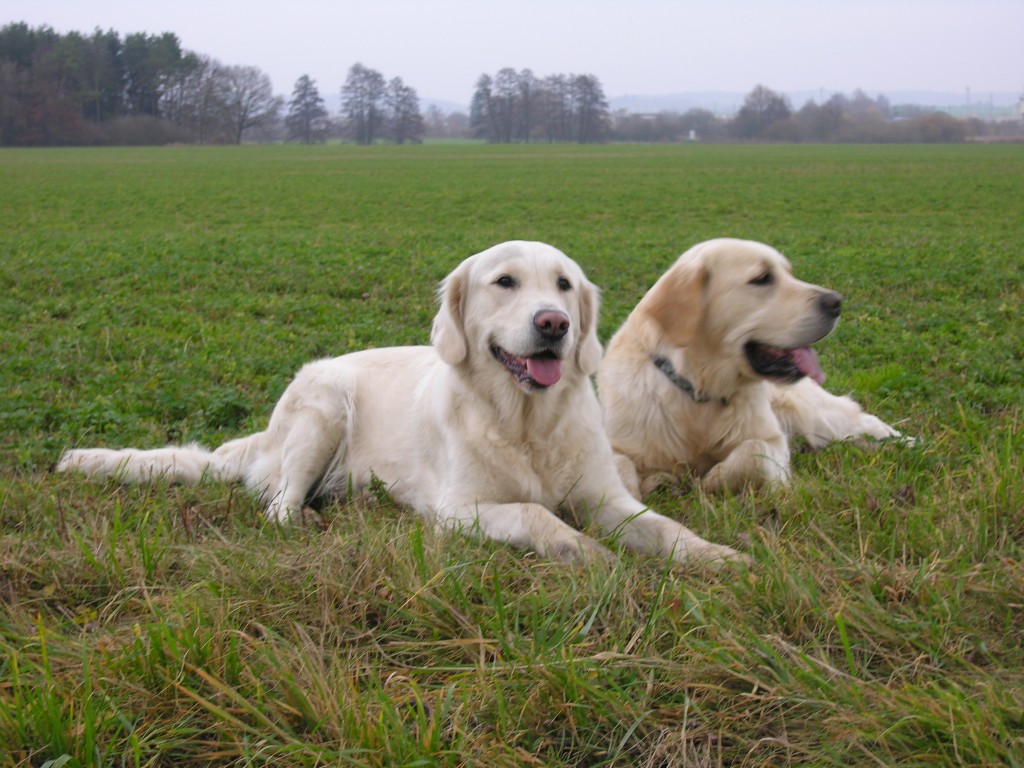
(404, 118)
(762, 108)
(195, 100)
(556, 108)
(435, 121)
(821, 123)
(362, 103)
(519, 107)
(249, 100)
(591, 109)
(526, 104)
(505, 104)
(481, 110)
(496, 111)
(306, 113)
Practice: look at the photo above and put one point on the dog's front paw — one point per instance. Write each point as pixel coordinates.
(898, 438)
(677, 485)
(579, 549)
(305, 517)
(714, 556)
(873, 431)
(719, 556)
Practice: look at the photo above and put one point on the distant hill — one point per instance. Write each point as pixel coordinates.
(727, 103)
(719, 102)
(447, 107)
(332, 103)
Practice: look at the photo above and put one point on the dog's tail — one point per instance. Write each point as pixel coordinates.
(186, 464)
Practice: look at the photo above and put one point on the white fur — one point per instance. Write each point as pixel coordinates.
(699, 315)
(448, 429)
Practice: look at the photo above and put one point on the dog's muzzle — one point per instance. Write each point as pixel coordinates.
(537, 371)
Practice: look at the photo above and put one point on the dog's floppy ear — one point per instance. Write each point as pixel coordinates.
(674, 302)
(588, 348)
(448, 333)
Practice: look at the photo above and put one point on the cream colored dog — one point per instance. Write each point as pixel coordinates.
(489, 430)
(713, 372)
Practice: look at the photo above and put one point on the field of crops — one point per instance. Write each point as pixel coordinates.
(169, 294)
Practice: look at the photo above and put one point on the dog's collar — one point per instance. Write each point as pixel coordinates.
(664, 365)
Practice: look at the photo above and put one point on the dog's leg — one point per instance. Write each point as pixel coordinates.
(308, 446)
(642, 529)
(526, 526)
(638, 486)
(807, 409)
(628, 474)
(752, 463)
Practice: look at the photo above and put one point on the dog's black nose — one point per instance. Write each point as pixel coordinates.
(830, 303)
(551, 324)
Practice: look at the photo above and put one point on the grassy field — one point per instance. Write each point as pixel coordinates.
(168, 294)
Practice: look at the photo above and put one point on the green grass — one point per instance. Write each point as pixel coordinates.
(169, 294)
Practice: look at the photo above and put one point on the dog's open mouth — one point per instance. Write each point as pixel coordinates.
(540, 370)
(786, 365)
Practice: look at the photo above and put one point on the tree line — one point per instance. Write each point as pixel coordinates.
(105, 89)
(514, 107)
(768, 116)
(76, 89)
(58, 89)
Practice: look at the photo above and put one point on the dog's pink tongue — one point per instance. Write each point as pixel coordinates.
(806, 359)
(544, 370)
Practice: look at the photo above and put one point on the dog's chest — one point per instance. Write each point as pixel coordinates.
(708, 432)
(691, 432)
(526, 467)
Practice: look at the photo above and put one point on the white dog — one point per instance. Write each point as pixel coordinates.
(488, 430)
(713, 372)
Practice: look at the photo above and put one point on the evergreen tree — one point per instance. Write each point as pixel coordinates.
(306, 120)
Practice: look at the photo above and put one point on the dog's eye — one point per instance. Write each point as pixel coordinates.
(564, 284)
(506, 281)
(765, 279)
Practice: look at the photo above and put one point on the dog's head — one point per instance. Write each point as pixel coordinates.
(737, 300)
(522, 306)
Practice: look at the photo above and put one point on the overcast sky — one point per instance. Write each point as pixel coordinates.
(441, 47)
